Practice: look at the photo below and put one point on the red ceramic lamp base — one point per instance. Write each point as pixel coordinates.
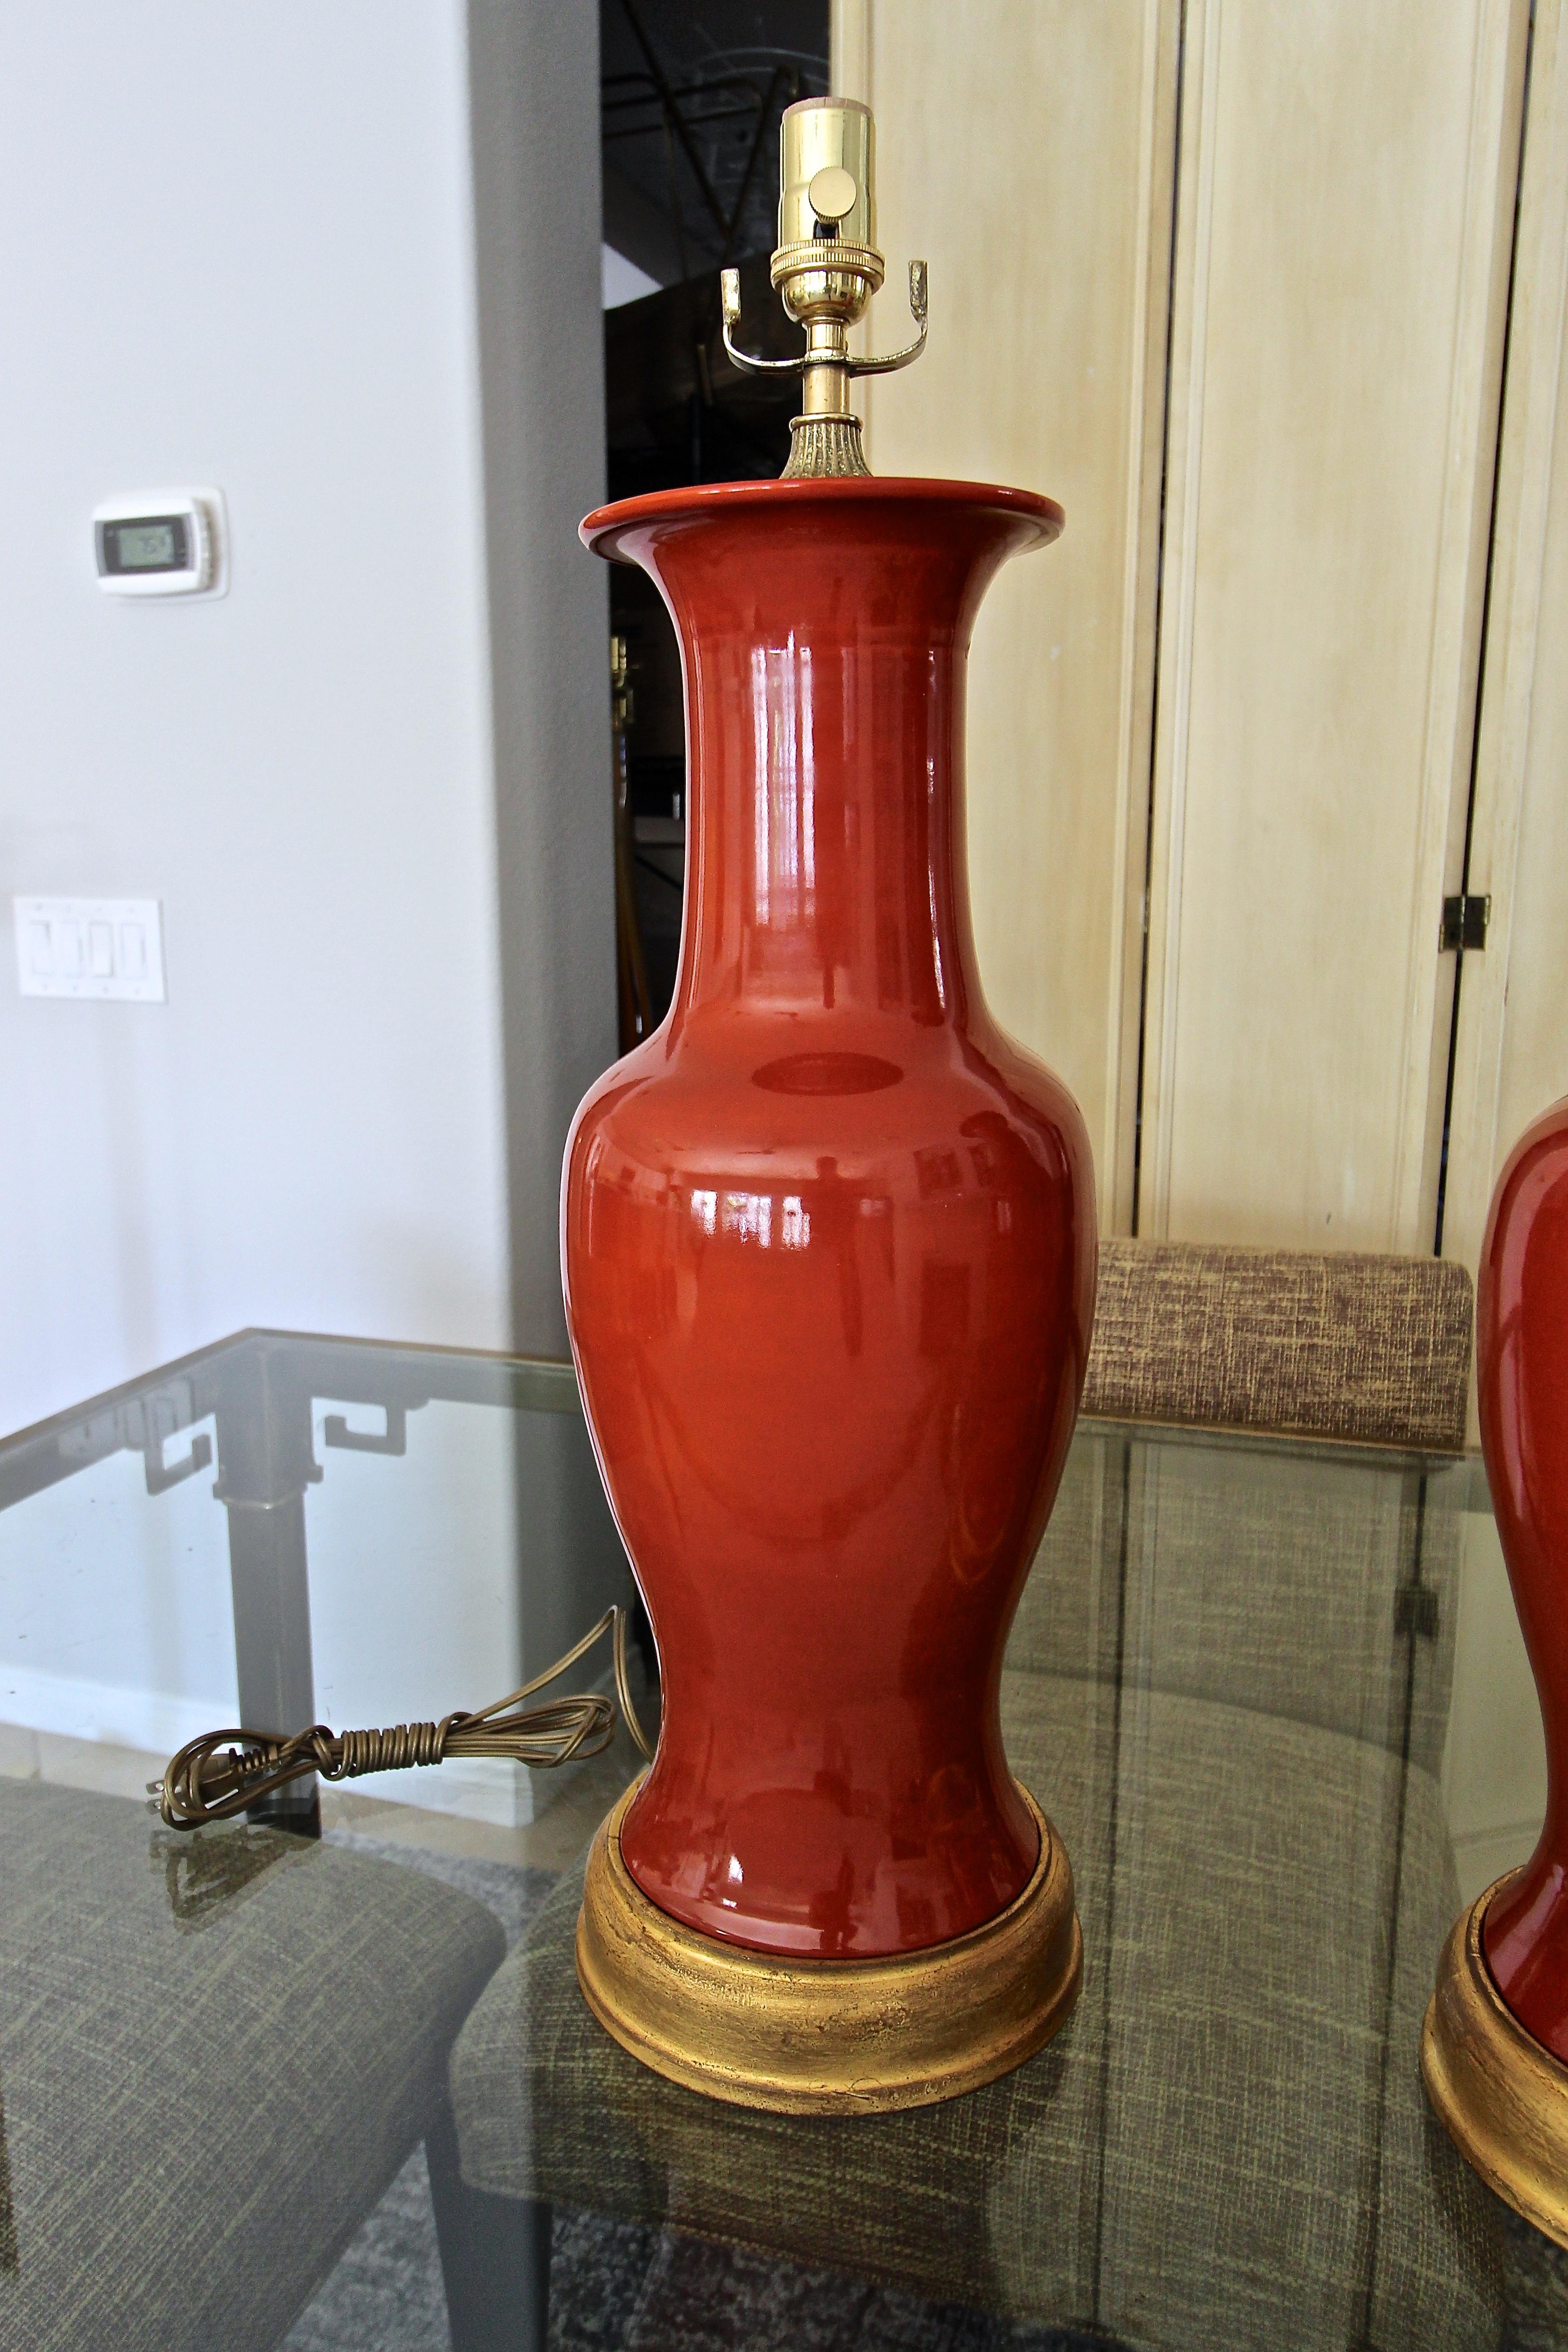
(829, 1244)
(1501, 2095)
(817, 2037)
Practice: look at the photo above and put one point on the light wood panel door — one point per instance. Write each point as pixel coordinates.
(1027, 153)
(1232, 280)
(1341, 256)
(1511, 1037)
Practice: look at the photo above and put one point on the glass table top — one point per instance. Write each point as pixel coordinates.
(324, 2078)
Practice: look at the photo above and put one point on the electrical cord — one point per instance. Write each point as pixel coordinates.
(211, 1781)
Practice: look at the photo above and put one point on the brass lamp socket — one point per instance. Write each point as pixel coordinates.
(826, 268)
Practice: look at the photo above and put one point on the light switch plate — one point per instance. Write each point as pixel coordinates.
(90, 948)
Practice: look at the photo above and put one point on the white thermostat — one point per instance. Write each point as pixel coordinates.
(162, 544)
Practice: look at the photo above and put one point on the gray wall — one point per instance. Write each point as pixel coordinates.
(326, 259)
(534, 69)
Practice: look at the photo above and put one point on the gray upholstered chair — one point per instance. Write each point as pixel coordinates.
(1369, 1353)
(215, 2055)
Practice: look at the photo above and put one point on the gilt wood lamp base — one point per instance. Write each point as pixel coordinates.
(1500, 2096)
(821, 2037)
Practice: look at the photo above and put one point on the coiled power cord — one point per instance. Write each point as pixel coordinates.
(223, 1772)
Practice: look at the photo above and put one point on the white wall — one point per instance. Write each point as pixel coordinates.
(241, 247)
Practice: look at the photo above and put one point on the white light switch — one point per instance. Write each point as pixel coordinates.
(90, 947)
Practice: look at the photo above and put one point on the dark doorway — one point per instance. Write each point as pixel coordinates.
(691, 99)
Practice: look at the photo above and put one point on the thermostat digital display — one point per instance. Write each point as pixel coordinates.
(160, 543)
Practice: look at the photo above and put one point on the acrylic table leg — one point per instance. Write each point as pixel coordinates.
(269, 1573)
(265, 1463)
(494, 2256)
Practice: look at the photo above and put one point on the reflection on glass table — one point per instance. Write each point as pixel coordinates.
(262, 2088)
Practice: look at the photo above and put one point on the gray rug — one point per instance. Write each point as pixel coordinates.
(619, 2286)
(386, 2294)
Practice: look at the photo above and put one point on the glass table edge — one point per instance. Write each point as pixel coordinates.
(409, 1372)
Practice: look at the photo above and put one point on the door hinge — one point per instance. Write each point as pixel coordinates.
(1465, 922)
